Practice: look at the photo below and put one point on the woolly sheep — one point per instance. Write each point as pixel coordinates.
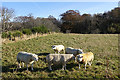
(27, 58)
(86, 58)
(59, 59)
(58, 48)
(73, 51)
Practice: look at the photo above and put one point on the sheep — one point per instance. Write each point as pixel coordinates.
(59, 59)
(27, 58)
(58, 48)
(73, 51)
(86, 58)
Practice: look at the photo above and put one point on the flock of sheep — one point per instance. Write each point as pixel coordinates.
(69, 54)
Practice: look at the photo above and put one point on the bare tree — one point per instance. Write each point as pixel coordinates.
(6, 15)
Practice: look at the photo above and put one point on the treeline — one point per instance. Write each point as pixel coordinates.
(108, 22)
(71, 21)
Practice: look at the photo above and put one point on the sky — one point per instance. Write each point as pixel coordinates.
(44, 9)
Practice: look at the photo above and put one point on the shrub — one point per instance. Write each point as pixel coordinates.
(36, 29)
(44, 29)
(4, 35)
(41, 29)
(9, 35)
(17, 34)
(27, 31)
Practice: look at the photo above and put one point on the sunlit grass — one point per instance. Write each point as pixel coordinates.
(104, 47)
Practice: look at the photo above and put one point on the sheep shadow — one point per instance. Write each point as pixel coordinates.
(9, 68)
(13, 68)
(56, 67)
(42, 54)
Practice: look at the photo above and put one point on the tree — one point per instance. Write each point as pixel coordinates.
(6, 16)
(50, 23)
(25, 21)
(69, 19)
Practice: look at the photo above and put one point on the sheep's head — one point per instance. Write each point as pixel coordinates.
(53, 47)
(79, 58)
(72, 57)
(80, 51)
(35, 57)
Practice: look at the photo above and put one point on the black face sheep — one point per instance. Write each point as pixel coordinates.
(59, 59)
(58, 48)
(73, 51)
(27, 58)
(86, 58)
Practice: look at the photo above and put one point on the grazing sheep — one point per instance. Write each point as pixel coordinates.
(27, 58)
(73, 51)
(58, 48)
(86, 58)
(59, 59)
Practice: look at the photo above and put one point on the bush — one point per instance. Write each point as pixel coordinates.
(44, 29)
(17, 34)
(27, 31)
(41, 29)
(4, 35)
(36, 30)
(10, 35)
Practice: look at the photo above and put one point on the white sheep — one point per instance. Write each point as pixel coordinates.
(27, 58)
(58, 48)
(59, 59)
(86, 58)
(73, 51)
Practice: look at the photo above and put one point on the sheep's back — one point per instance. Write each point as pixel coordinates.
(58, 58)
(70, 50)
(87, 56)
(24, 57)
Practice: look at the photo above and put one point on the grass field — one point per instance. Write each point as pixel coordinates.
(104, 47)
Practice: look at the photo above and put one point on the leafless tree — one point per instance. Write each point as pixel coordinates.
(6, 16)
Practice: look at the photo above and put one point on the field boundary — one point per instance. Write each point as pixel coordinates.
(24, 37)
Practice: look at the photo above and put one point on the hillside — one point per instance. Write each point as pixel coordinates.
(104, 47)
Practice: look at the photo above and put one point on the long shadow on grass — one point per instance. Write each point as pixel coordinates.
(55, 67)
(42, 54)
(12, 68)
(9, 68)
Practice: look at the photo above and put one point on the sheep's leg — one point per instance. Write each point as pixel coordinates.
(55, 52)
(49, 65)
(85, 64)
(75, 59)
(32, 66)
(58, 52)
(27, 66)
(63, 67)
(22, 64)
(19, 65)
(79, 65)
(89, 63)
(50, 68)
(64, 51)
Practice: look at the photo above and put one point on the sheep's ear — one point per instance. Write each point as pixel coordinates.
(81, 57)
